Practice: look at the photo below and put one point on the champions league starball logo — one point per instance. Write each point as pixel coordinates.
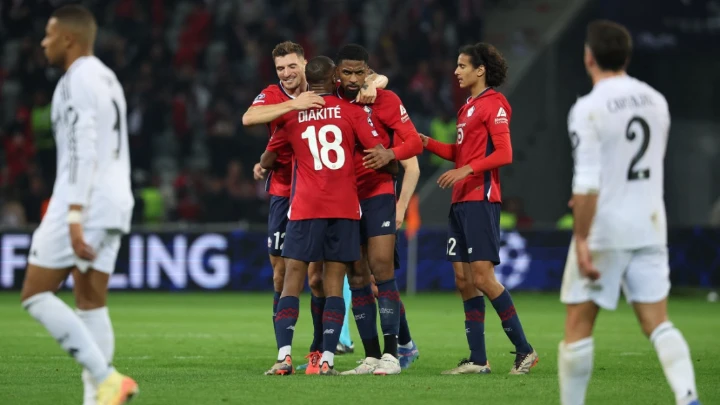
(514, 260)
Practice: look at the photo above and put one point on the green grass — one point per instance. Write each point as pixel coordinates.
(214, 348)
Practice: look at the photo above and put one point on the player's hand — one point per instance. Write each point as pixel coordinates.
(449, 178)
(81, 249)
(259, 172)
(373, 286)
(367, 94)
(400, 209)
(378, 157)
(424, 139)
(584, 259)
(308, 100)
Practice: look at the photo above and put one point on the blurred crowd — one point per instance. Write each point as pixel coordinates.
(191, 68)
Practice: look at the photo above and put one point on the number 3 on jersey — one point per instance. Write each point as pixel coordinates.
(321, 157)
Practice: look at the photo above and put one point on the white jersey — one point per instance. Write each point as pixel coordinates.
(619, 132)
(93, 165)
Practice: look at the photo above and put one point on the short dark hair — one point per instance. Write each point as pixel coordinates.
(610, 44)
(483, 54)
(79, 19)
(287, 48)
(319, 69)
(352, 52)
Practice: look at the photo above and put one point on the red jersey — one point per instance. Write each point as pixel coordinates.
(394, 128)
(323, 142)
(483, 129)
(279, 179)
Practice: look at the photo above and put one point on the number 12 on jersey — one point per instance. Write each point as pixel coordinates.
(321, 156)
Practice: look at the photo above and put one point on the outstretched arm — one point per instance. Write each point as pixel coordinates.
(446, 151)
(264, 114)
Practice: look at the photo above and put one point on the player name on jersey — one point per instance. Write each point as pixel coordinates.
(631, 101)
(319, 114)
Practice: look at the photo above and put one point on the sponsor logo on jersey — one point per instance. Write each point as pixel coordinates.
(501, 117)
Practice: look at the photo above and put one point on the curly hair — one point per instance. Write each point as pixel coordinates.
(483, 54)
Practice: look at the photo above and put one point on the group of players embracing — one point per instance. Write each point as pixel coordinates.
(336, 137)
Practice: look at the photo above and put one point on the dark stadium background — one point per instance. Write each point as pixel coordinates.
(191, 68)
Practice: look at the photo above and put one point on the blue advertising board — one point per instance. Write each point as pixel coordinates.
(169, 261)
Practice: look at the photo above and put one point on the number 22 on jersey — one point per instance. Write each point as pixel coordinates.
(321, 156)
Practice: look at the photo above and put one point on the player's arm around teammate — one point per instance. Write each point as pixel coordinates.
(80, 232)
(483, 145)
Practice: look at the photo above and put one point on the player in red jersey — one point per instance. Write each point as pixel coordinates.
(483, 146)
(324, 209)
(290, 94)
(376, 191)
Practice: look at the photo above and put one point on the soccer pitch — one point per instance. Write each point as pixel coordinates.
(212, 348)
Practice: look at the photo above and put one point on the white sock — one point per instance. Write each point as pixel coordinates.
(329, 357)
(407, 346)
(67, 328)
(284, 351)
(674, 355)
(575, 363)
(98, 323)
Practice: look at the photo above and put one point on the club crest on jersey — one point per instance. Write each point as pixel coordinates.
(471, 111)
(501, 117)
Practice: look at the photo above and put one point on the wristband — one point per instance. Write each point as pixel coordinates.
(74, 217)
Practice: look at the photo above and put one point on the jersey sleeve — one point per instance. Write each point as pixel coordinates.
(81, 113)
(497, 116)
(362, 126)
(395, 116)
(585, 143)
(278, 141)
(266, 97)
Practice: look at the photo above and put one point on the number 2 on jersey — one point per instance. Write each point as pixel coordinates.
(321, 157)
(630, 135)
(116, 128)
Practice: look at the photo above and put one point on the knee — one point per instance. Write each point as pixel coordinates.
(316, 283)
(381, 269)
(278, 281)
(359, 276)
(484, 279)
(87, 298)
(460, 282)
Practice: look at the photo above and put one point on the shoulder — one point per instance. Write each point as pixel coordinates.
(657, 96)
(387, 99)
(493, 105)
(582, 109)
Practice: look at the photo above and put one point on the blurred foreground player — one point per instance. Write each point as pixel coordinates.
(619, 132)
(324, 208)
(483, 146)
(90, 208)
(376, 191)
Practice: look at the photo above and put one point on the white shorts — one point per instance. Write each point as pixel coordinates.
(643, 274)
(51, 247)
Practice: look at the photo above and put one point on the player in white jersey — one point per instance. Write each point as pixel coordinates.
(90, 207)
(619, 134)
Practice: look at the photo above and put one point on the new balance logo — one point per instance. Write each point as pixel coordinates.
(329, 331)
(386, 224)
